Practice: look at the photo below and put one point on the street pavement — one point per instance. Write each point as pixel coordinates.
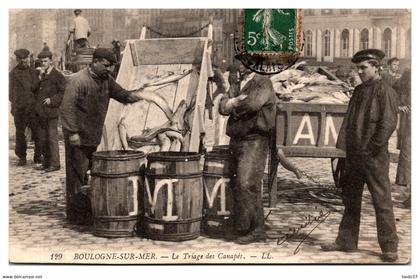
(305, 216)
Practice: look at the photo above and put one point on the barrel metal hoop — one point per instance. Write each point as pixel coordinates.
(165, 157)
(113, 233)
(110, 156)
(182, 176)
(185, 221)
(116, 218)
(117, 175)
(212, 174)
(120, 159)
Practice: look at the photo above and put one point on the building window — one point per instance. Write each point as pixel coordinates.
(345, 46)
(344, 11)
(326, 12)
(364, 39)
(308, 43)
(309, 12)
(387, 42)
(327, 40)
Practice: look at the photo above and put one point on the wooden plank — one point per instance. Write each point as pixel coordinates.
(169, 51)
(312, 151)
(134, 55)
(198, 119)
(303, 107)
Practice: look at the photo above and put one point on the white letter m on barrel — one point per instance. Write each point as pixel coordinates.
(169, 183)
(221, 183)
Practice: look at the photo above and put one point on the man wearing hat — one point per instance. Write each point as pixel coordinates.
(23, 86)
(48, 101)
(371, 120)
(80, 29)
(252, 111)
(83, 112)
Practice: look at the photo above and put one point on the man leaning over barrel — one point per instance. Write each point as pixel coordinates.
(83, 112)
(371, 120)
(251, 121)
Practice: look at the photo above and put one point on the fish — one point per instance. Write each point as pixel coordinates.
(176, 124)
(168, 79)
(341, 96)
(158, 100)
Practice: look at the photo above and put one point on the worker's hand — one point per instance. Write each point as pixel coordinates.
(241, 97)
(234, 102)
(47, 101)
(74, 139)
(404, 109)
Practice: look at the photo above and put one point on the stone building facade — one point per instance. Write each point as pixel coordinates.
(334, 35)
(331, 35)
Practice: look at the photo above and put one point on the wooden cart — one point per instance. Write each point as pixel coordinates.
(143, 58)
(305, 130)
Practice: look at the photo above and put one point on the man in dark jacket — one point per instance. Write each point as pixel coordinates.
(371, 120)
(83, 112)
(50, 94)
(251, 122)
(23, 85)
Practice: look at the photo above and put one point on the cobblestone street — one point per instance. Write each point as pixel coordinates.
(38, 227)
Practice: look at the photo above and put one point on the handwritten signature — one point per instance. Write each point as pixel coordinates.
(310, 219)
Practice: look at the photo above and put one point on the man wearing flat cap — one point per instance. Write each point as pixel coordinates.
(48, 101)
(80, 29)
(371, 120)
(23, 86)
(251, 108)
(83, 112)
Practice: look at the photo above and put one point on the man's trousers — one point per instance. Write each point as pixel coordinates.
(374, 171)
(78, 162)
(248, 159)
(24, 119)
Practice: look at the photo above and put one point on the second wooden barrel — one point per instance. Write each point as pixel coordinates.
(218, 198)
(173, 196)
(116, 187)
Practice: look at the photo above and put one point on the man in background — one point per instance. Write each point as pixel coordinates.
(50, 94)
(80, 29)
(23, 87)
(391, 75)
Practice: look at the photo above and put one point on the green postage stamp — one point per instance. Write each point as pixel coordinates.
(272, 31)
(270, 40)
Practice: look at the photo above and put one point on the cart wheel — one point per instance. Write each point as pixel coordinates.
(337, 165)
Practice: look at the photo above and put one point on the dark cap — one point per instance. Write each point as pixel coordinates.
(21, 53)
(77, 11)
(368, 54)
(45, 54)
(104, 53)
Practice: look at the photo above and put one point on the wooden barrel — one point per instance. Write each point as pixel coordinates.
(173, 196)
(218, 195)
(115, 184)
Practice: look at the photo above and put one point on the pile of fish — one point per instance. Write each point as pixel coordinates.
(299, 84)
(168, 136)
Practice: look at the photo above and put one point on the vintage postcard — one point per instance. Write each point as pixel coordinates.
(210, 136)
